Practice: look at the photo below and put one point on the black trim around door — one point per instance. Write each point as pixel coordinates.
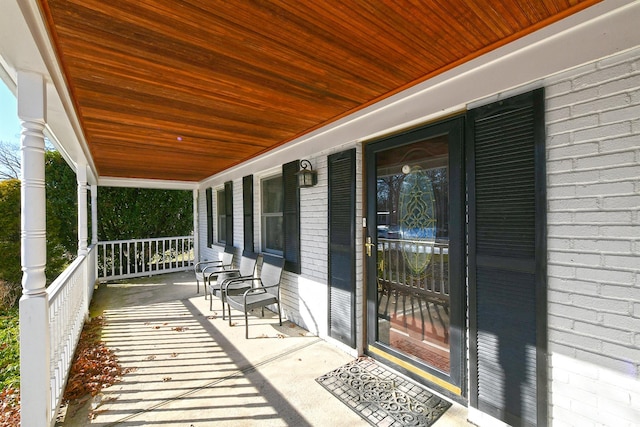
(453, 383)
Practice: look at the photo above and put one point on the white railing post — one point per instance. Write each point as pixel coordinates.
(94, 234)
(83, 227)
(81, 177)
(35, 375)
(196, 227)
(94, 214)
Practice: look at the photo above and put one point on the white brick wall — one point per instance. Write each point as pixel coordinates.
(593, 191)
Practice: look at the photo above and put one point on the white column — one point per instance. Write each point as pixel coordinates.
(35, 374)
(81, 176)
(94, 214)
(196, 226)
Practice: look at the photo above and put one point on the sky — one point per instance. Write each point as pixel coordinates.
(9, 123)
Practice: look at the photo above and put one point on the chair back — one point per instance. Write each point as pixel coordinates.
(271, 273)
(227, 255)
(248, 263)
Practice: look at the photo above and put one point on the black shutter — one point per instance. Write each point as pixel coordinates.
(228, 204)
(342, 276)
(507, 256)
(291, 216)
(247, 212)
(209, 217)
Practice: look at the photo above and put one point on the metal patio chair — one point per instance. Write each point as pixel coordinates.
(205, 268)
(246, 270)
(257, 292)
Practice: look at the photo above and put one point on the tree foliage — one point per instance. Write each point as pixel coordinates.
(138, 213)
(10, 264)
(10, 267)
(62, 200)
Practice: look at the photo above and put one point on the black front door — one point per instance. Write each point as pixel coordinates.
(415, 253)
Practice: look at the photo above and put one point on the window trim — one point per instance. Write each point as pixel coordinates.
(264, 215)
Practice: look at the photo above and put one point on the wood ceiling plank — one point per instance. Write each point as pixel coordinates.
(191, 88)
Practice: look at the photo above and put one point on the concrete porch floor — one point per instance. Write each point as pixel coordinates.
(189, 368)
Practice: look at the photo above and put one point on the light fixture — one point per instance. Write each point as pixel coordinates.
(306, 177)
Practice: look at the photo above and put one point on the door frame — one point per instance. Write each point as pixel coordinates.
(453, 384)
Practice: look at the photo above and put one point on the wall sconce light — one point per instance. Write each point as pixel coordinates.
(306, 177)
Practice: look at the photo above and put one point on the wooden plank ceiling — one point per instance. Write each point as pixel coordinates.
(182, 90)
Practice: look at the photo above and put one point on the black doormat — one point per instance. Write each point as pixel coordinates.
(381, 397)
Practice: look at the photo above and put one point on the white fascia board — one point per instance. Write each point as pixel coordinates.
(602, 30)
(157, 184)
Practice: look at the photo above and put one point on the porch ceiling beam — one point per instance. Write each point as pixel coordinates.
(147, 183)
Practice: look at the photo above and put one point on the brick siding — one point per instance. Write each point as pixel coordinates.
(593, 191)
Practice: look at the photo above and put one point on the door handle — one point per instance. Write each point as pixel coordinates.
(368, 245)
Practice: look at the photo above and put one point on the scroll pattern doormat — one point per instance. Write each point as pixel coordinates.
(381, 397)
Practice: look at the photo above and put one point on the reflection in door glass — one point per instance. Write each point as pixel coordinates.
(412, 250)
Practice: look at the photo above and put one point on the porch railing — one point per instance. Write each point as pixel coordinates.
(414, 267)
(122, 259)
(68, 297)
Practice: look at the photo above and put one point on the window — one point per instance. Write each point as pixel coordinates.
(224, 211)
(271, 215)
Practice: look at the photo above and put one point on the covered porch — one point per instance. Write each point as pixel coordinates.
(228, 102)
(189, 367)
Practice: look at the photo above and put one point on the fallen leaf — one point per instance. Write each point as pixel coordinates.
(165, 379)
(94, 366)
(280, 336)
(174, 354)
(151, 357)
(179, 328)
(156, 327)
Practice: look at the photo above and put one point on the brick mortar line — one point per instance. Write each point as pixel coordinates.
(592, 267)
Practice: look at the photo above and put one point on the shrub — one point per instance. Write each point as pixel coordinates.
(9, 294)
(9, 349)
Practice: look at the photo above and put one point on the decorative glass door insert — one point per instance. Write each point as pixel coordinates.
(412, 250)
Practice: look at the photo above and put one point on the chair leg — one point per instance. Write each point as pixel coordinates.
(279, 313)
(211, 301)
(222, 301)
(198, 286)
(246, 324)
(229, 308)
